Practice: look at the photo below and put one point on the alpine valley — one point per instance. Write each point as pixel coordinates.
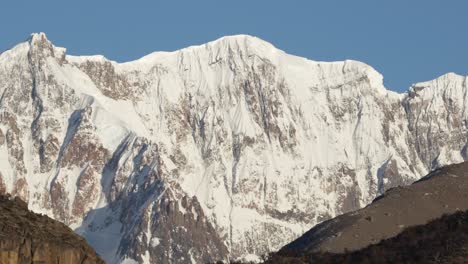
(224, 151)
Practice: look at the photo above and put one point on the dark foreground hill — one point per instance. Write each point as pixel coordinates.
(444, 240)
(442, 192)
(26, 237)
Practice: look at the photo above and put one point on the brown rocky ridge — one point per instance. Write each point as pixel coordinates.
(444, 240)
(27, 237)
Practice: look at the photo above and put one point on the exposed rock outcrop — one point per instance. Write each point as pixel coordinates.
(26, 237)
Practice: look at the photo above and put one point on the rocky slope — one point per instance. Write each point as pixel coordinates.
(443, 240)
(26, 237)
(444, 191)
(221, 151)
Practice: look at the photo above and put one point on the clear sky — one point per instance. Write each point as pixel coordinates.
(407, 41)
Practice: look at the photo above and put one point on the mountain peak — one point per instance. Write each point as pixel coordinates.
(40, 44)
(38, 37)
(240, 38)
(440, 83)
(37, 42)
(243, 41)
(237, 37)
(240, 44)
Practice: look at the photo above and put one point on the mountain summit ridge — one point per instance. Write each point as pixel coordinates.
(212, 152)
(227, 41)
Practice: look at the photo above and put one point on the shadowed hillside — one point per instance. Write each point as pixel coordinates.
(26, 237)
(444, 240)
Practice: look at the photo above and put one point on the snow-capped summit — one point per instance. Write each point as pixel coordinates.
(38, 37)
(441, 83)
(241, 42)
(224, 150)
(40, 41)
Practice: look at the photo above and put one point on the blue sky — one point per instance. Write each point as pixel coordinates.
(407, 41)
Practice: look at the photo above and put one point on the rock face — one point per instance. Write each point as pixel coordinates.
(442, 192)
(26, 237)
(221, 151)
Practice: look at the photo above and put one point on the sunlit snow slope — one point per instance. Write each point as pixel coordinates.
(226, 150)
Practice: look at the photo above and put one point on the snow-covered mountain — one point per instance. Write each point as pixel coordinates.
(226, 150)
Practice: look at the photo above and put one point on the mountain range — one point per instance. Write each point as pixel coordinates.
(223, 151)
